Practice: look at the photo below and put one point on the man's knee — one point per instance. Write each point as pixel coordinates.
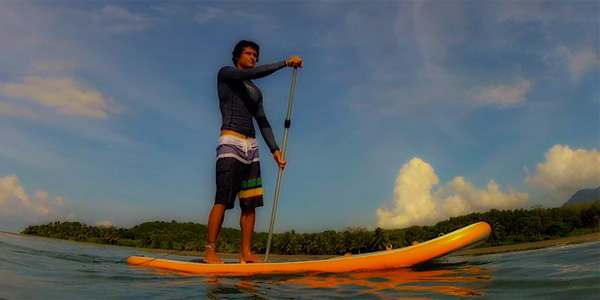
(247, 211)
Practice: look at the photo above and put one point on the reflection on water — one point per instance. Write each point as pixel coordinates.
(465, 282)
(422, 281)
(440, 281)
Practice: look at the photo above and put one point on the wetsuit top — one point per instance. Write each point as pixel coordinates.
(240, 100)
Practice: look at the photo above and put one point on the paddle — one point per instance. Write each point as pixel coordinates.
(288, 122)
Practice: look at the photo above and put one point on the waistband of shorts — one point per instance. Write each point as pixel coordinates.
(236, 134)
(239, 142)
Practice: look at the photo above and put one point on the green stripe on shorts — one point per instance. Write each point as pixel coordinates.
(251, 183)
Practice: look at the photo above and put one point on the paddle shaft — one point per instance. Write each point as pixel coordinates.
(288, 122)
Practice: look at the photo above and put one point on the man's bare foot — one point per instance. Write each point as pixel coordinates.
(211, 257)
(250, 258)
(210, 254)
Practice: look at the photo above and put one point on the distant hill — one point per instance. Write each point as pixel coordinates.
(584, 196)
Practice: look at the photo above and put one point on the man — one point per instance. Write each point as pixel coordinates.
(238, 169)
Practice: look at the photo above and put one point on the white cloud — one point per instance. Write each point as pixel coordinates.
(205, 14)
(171, 9)
(462, 197)
(579, 62)
(403, 52)
(12, 191)
(64, 95)
(566, 171)
(439, 27)
(540, 11)
(105, 223)
(414, 202)
(504, 95)
(435, 64)
(59, 201)
(121, 20)
(250, 16)
(419, 67)
(208, 14)
(15, 204)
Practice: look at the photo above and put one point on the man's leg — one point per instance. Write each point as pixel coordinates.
(215, 221)
(247, 220)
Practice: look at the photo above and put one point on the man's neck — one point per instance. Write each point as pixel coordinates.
(240, 67)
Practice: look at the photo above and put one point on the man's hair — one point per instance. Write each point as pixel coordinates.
(239, 47)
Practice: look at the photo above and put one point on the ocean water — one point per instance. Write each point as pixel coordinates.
(39, 268)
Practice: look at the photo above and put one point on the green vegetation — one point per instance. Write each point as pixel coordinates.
(509, 227)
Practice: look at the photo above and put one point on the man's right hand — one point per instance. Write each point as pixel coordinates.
(295, 62)
(281, 162)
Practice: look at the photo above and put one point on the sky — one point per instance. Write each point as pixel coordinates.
(406, 112)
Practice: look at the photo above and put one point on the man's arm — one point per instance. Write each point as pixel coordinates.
(265, 127)
(267, 133)
(232, 73)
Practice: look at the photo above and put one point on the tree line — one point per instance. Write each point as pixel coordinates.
(508, 227)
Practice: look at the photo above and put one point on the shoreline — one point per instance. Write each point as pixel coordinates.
(232, 256)
(586, 238)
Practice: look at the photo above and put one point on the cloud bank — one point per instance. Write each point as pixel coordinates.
(415, 202)
(418, 200)
(566, 171)
(64, 95)
(16, 204)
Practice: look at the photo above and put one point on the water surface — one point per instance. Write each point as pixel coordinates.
(40, 268)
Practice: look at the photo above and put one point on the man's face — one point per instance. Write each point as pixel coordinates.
(248, 58)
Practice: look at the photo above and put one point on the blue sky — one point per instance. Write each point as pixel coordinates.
(407, 112)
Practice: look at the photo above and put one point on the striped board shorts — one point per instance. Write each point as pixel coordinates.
(238, 172)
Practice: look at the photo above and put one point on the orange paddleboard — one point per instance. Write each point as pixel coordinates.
(389, 259)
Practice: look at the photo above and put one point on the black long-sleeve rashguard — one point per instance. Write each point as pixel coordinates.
(240, 100)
